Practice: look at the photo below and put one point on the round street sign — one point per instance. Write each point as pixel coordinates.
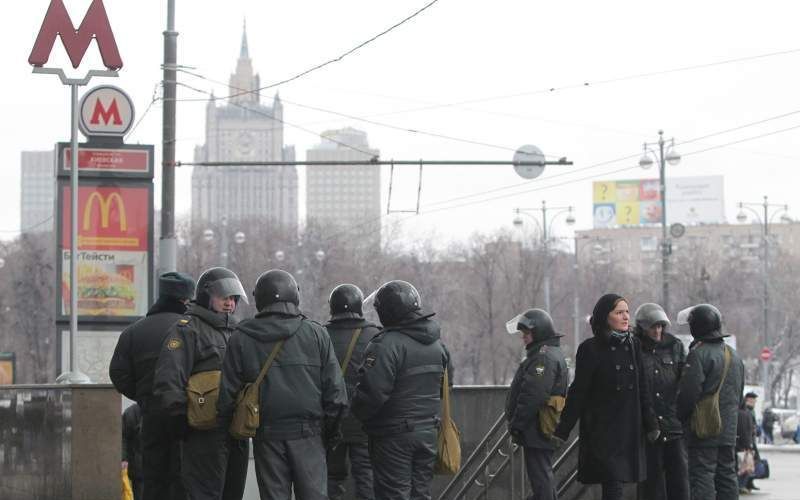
(528, 153)
(677, 230)
(106, 111)
(766, 354)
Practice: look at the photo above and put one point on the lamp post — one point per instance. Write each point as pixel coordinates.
(239, 238)
(545, 224)
(765, 221)
(646, 161)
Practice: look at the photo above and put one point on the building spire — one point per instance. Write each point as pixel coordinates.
(244, 53)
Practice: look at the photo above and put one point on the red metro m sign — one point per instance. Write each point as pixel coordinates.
(95, 25)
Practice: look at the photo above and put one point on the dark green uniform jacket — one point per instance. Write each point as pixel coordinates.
(196, 343)
(663, 362)
(701, 376)
(542, 374)
(302, 394)
(134, 362)
(399, 384)
(341, 332)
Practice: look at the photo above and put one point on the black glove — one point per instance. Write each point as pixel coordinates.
(652, 436)
(332, 434)
(516, 436)
(178, 426)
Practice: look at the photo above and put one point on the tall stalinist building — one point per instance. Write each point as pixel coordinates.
(243, 129)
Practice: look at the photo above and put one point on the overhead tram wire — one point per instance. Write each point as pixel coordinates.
(588, 83)
(423, 211)
(284, 122)
(29, 228)
(371, 122)
(339, 57)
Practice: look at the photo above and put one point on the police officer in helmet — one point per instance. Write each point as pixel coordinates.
(663, 358)
(711, 367)
(398, 394)
(214, 464)
(351, 334)
(302, 396)
(536, 397)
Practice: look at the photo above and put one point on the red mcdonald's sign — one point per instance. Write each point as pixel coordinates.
(76, 41)
(109, 218)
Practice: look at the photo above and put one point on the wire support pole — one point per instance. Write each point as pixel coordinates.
(167, 244)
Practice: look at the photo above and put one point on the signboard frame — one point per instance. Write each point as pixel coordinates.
(62, 166)
(62, 341)
(60, 200)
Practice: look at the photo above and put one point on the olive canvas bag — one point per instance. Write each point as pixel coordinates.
(202, 393)
(706, 421)
(246, 416)
(448, 453)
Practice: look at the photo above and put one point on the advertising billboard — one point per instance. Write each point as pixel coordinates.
(122, 161)
(7, 368)
(115, 223)
(637, 202)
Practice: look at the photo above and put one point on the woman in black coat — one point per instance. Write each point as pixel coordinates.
(609, 395)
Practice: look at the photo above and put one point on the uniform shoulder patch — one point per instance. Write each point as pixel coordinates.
(173, 344)
(369, 359)
(539, 370)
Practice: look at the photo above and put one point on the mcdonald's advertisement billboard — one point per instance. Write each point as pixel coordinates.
(115, 222)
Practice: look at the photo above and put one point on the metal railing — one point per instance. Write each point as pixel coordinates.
(495, 454)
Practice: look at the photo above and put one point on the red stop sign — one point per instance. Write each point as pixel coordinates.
(766, 354)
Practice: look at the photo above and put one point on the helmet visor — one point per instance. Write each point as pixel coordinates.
(512, 325)
(683, 316)
(227, 287)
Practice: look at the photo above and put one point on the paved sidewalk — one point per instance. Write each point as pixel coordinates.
(784, 481)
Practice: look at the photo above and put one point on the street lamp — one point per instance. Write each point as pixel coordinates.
(764, 221)
(545, 224)
(646, 161)
(239, 238)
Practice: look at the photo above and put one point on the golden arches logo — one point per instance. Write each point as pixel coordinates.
(104, 204)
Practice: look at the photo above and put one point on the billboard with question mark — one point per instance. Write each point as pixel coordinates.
(637, 202)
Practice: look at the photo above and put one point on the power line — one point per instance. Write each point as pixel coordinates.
(29, 228)
(343, 55)
(365, 120)
(587, 83)
(279, 120)
(147, 110)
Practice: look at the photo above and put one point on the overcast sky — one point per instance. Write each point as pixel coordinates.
(499, 56)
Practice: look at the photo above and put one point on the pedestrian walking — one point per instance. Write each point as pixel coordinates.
(709, 396)
(132, 370)
(350, 334)
(768, 419)
(536, 398)
(132, 448)
(663, 358)
(609, 395)
(398, 394)
(186, 384)
(302, 395)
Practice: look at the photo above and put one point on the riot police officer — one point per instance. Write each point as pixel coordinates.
(214, 464)
(302, 396)
(536, 398)
(711, 367)
(132, 369)
(350, 334)
(398, 394)
(663, 358)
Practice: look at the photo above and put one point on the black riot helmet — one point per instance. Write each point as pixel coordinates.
(345, 302)
(218, 282)
(704, 320)
(538, 322)
(397, 301)
(277, 291)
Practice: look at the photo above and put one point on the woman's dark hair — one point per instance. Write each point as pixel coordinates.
(604, 306)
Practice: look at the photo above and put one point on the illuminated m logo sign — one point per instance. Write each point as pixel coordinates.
(104, 204)
(95, 25)
(107, 115)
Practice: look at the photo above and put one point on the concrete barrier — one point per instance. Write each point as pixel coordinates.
(60, 442)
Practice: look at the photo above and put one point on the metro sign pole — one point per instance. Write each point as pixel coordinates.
(95, 25)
